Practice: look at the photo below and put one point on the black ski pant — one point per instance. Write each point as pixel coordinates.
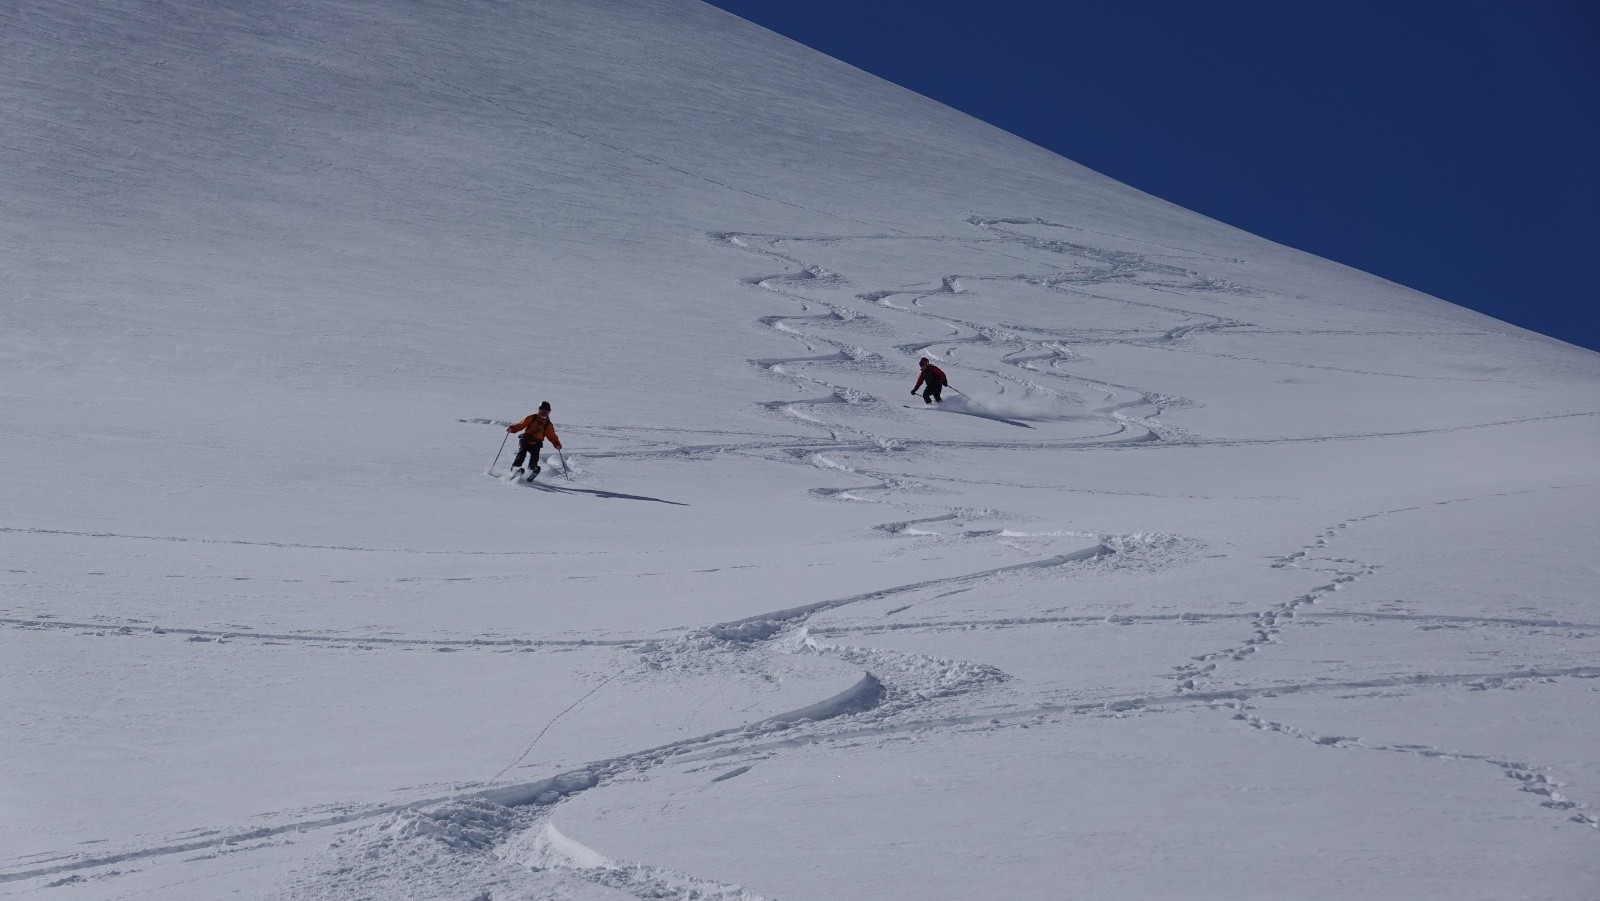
(528, 448)
(932, 393)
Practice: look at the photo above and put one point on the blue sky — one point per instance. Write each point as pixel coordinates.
(1452, 147)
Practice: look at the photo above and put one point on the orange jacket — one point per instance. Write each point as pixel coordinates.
(538, 428)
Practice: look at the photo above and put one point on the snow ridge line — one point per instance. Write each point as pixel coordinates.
(1240, 694)
(1128, 703)
(863, 695)
(1062, 444)
(238, 634)
(20, 530)
(1367, 436)
(1453, 618)
(1121, 619)
(629, 429)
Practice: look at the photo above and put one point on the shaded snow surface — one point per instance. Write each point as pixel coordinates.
(1228, 573)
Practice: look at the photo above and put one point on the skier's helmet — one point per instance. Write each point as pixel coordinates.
(544, 406)
(923, 361)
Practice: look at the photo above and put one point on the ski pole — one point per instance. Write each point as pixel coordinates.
(564, 467)
(499, 452)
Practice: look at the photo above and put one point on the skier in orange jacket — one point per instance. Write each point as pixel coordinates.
(535, 429)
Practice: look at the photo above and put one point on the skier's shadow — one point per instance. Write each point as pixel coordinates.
(609, 495)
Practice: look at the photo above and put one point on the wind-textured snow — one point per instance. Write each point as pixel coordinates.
(1225, 571)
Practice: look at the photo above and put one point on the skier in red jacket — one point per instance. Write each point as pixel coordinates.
(935, 378)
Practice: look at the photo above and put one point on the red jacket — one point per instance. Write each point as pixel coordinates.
(932, 373)
(538, 428)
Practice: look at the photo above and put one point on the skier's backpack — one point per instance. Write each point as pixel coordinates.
(538, 425)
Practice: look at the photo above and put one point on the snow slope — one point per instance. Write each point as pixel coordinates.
(1230, 572)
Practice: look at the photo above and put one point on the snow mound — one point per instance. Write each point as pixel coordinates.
(909, 679)
(472, 823)
(546, 848)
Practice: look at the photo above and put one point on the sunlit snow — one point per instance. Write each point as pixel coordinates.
(1224, 571)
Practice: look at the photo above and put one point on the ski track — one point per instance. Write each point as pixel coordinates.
(1142, 443)
(914, 679)
(1037, 360)
(1104, 267)
(806, 275)
(534, 741)
(905, 699)
(483, 826)
(1269, 626)
(1531, 778)
(864, 694)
